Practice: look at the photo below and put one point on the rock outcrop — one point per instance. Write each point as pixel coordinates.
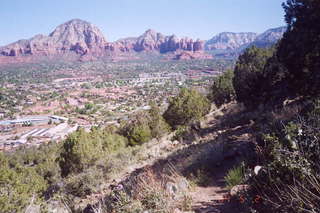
(152, 40)
(148, 41)
(76, 36)
(122, 45)
(84, 39)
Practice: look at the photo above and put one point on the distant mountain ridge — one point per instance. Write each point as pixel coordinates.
(85, 40)
(235, 41)
(269, 37)
(229, 40)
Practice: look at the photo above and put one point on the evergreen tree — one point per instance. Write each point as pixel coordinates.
(187, 107)
(299, 50)
(222, 90)
(248, 75)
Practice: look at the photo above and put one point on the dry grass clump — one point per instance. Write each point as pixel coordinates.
(148, 192)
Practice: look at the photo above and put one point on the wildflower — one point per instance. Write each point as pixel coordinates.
(288, 137)
(257, 169)
(294, 145)
(300, 132)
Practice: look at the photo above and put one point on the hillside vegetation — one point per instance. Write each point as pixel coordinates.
(280, 87)
(277, 112)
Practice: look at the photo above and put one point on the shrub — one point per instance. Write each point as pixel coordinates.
(222, 90)
(82, 149)
(114, 142)
(156, 199)
(84, 183)
(291, 164)
(139, 134)
(180, 133)
(144, 126)
(45, 163)
(79, 152)
(157, 124)
(137, 129)
(121, 202)
(187, 107)
(18, 186)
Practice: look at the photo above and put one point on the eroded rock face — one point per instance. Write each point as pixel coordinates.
(150, 40)
(122, 45)
(198, 45)
(153, 41)
(75, 35)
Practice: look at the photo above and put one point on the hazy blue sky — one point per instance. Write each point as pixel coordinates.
(122, 18)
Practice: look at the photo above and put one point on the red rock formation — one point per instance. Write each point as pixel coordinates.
(123, 45)
(149, 41)
(198, 45)
(153, 41)
(77, 37)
